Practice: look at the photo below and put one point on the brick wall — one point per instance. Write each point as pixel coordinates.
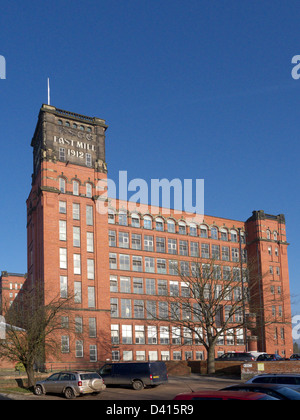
(248, 370)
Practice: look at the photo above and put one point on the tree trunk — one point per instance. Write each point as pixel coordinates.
(211, 359)
(30, 375)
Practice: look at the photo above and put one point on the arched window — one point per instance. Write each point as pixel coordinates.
(234, 235)
(111, 217)
(203, 231)
(275, 236)
(147, 222)
(214, 233)
(159, 224)
(122, 218)
(75, 187)
(89, 190)
(171, 226)
(62, 185)
(135, 220)
(224, 234)
(182, 228)
(268, 234)
(193, 229)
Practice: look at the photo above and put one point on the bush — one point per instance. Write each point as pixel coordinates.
(19, 367)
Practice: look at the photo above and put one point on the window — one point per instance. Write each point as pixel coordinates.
(214, 233)
(91, 269)
(77, 263)
(111, 217)
(135, 220)
(163, 310)
(78, 324)
(138, 308)
(224, 234)
(235, 255)
(124, 262)
(63, 287)
(115, 334)
(176, 335)
(182, 228)
(183, 248)
(113, 261)
(174, 288)
(159, 224)
(89, 215)
(160, 245)
(77, 292)
(139, 334)
(194, 249)
(193, 229)
(184, 268)
(62, 230)
(78, 348)
(76, 236)
(113, 283)
(63, 258)
(203, 231)
(75, 188)
(152, 334)
(89, 190)
(136, 241)
(62, 185)
(88, 159)
(93, 353)
(91, 297)
(62, 154)
(122, 218)
(147, 222)
(125, 308)
(137, 263)
(76, 211)
(162, 287)
(148, 243)
(151, 309)
(149, 265)
(138, 286)
(172, 246)
(90, 242)
(234, 236)
(225, 253)
(114, 309)
(164, 335)
(171, 226)
(150, 287)
(161, 266)
(215, 251)
(112, 238)
(173, 267)
(123, 240)
(62, 207)
(65, 344)
(125, 285)
(205, 250)
(126, 334)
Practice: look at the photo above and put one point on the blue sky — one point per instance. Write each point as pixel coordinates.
(196, 89)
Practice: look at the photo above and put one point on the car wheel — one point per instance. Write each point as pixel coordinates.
(137, 385)
(38, 390)
(69, 393)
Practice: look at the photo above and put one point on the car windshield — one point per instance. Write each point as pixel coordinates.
(88, 376)
(289, 393)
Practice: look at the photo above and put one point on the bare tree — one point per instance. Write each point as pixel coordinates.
(31, 327)
(211, 305)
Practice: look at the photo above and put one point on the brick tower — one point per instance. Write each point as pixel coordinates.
(66, 254)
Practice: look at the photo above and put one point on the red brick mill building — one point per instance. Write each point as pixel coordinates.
(120, 263)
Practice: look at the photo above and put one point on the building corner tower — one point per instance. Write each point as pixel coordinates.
(67, 255)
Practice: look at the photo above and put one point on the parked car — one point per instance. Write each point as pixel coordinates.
(281, 392)
(292, 380)
(71, 384)
(269, 358)
(223, 395)
(135, 374)
(295, 356)
(236, 357)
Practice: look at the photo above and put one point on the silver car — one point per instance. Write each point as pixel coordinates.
(71, 384)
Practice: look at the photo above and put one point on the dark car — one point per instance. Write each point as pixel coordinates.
(223, 395)
(281, 392)
(291, 380)
(269, 358)
(135, 374)
(236, 357)
(295, 356)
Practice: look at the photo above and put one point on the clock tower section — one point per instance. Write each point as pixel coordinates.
(67, 238)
